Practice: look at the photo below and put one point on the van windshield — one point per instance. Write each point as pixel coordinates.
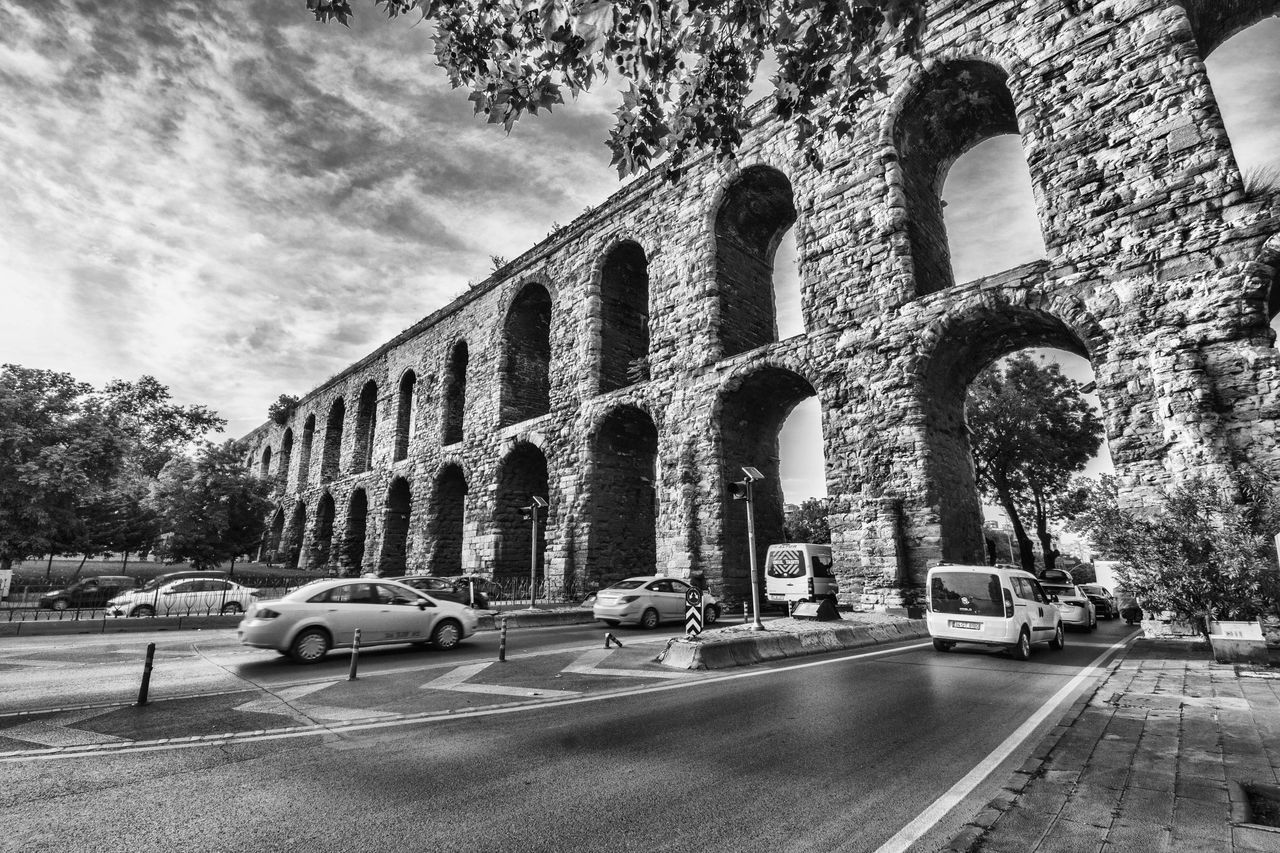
(969, 593)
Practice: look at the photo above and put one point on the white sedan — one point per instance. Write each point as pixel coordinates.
(306, 623)
(187, 597)
(649, 600)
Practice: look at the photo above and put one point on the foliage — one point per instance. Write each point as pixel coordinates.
(1205, 549)
(689, 65)
(1030, 430)
(155, 428)
(210, 507)
(809, 523)
(1084, 573)
(282, 409)
(1262, 183)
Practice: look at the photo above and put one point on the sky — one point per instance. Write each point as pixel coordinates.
(242, 202)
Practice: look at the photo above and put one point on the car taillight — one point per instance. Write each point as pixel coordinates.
(627, 599)
(1008, 605)
(264, 613)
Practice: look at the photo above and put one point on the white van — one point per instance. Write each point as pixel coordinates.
(799, 571)
(991, 605)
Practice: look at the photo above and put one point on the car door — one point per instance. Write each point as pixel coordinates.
(180, 598)
(400, 619)
(669, 603)
(1045, 613)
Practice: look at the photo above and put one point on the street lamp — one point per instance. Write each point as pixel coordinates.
(532, 509)
(741, 491)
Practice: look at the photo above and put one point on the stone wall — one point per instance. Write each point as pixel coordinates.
(628, 365)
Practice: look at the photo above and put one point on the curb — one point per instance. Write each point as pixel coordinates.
(722, 653)
(538, 619)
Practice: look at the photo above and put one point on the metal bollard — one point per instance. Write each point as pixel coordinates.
(746, 614)
(609, 638)
(355, 656)
(502, 641)
(146, 674)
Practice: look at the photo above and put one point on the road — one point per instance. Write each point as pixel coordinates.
(562, 747)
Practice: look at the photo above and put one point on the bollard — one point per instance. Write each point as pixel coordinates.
(146, 674)
(502, 641)
(355, 656)
(608, 637)
(746, 614)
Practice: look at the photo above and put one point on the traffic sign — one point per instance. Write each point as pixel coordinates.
(693, 612)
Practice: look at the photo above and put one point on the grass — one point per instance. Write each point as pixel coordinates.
(1262, 182)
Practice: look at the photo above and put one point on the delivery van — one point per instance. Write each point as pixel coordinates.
(799, 571)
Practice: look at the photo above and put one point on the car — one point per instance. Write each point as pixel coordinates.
(88, 593)
(446, 588)
(1104, 603)
(990, 605)
(186, 574)
(487, 587)
(184, 597)
(1076, 608)
(649, 600)
(308, 622)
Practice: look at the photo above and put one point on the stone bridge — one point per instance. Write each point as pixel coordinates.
(627, 367)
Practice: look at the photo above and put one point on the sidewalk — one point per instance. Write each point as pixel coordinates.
(1152, 760)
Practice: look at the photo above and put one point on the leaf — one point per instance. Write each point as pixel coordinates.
(592, 23)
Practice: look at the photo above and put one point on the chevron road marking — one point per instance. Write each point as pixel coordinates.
(286, 702)
(589, 664)
(455, 680)
(58, 730)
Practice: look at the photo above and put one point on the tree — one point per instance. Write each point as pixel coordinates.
(1204, 550)
(809, 523)
(154, 428)
(1030, 431)
(282, 409)
(690, 65)
(210, 508)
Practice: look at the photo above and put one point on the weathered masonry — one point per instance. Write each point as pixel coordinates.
(628, 366)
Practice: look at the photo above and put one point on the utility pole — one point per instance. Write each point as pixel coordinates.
(742, 491)
(536, 504)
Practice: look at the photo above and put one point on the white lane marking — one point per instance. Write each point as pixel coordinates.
(455, 681)
(58, 730)
(927, 819)
(286, 702)
(589, 664)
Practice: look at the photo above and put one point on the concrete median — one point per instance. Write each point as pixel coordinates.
(726, 648)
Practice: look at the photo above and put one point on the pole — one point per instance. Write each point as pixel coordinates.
(533, 556)
(146, 674)
(502, 642)
(756, 625)
(355, 656)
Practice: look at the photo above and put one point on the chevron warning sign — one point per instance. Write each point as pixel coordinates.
(693, 612)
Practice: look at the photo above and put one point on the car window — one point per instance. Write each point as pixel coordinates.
(788, 563)
(680, 587)
(392, 595)
(1038, 592)
(660, 586)
(821, 566)
(969, 593)
(626, 585)
(342, 594)
(185, 586)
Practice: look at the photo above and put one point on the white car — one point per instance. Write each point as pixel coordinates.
(306, 623)
(990, 605)
(649, 600)
(186, 597)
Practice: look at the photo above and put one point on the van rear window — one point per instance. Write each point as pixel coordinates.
(821, 566)
(966, 592)
(785, 564)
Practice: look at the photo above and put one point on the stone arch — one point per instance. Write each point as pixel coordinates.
(355, 532)
(621, 503)
(526, 356)
(331, 460)
(366, 427)
(446, 511)
(304, 452)
(264, 468)
(624, 317)
(274, 534)
(1213, 22)
(294, 533)
(521, 475)
(455, 394)
(286, 456)
(322, 545)
(406, 414)
(755, 210)
(397, 512)
(751, 408)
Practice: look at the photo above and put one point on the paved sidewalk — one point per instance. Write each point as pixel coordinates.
(1146, 762)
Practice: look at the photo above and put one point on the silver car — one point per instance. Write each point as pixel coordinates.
(184, 597)
(306, 623)
(1076, 608)
(649, 600)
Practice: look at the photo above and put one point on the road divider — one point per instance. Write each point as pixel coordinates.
(721, 650)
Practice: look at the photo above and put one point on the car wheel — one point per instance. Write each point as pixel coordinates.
(1059, 640)
(649, 619)
(59, 604)
(310, 645)
(942, 645)
(1022, 649)
(712, 614)
(232, 607)
(447, 635)
(143, 610)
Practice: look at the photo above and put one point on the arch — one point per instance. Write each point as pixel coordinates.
(322, 545)
(406, 414)
(621, 504)
(286, 456)
(304, 452)
(624, 317)
(521, 475)
(447, 513)
(293, 540)
(1213, 22)
(273, 537)
(455, 393)
(366, 425)
(264, 469)
(395, 528)
(754, 213)
(331, 461)
(952, 106)
(354, 533)
(526, 357)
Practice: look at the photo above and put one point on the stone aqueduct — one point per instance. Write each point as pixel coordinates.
(627, 367)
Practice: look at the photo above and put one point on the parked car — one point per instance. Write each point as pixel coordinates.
(186, 574)
(1076, 608)
(490, 589)
(1104, 603)
(306, 623)
(447, 588)
(990, 605)
(88, 593)
(184, 597)
(649, 600)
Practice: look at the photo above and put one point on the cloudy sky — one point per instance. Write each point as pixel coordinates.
(242, 202)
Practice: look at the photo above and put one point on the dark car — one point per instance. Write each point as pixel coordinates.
(1103, 601)
(445, 588)
(486, 589)
(88, 593)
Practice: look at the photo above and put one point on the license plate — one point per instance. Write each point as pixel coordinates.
(970, 626)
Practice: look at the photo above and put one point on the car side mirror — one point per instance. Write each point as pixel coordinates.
(423, 604)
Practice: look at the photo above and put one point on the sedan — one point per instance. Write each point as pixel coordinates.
(648, 601)
(446, 588)
(306, 623)
(190, 597)
(1074, 606)
(1104, 603)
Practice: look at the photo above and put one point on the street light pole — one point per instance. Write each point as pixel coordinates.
(533, 507)
(743, 491)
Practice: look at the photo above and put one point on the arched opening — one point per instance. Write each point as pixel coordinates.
(751, 413)
(293, 542)
(447, 510)
(526, 363)
(264, 469)
(758, 208)
(955, 107)
(354, 534)
(624, 317)
(304, 452)
(522, 475)
(395, 529)
(330, 462)
(455, 393)
(786, 287)
(802, 473)
(622, 503)
(366, 423)
(272, 550)
(406, 414)
(322, 546)
(286, 456)
(1214, 22)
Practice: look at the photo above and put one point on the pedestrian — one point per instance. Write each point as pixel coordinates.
(1130, 612)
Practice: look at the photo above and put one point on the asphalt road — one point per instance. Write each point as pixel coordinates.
(837, 752)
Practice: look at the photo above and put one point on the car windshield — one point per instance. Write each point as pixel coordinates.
(627, 584)
(1058, 590)
(971, 593)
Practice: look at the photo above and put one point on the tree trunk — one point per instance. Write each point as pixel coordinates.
(1042, 532)
(1026, 553)
(48, 567)
(124, 567)
(83, 557)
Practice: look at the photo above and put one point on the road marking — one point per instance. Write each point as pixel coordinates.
(927, 819)
(285, 702)
(455, 681)
(589, 664)
(58, 730)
